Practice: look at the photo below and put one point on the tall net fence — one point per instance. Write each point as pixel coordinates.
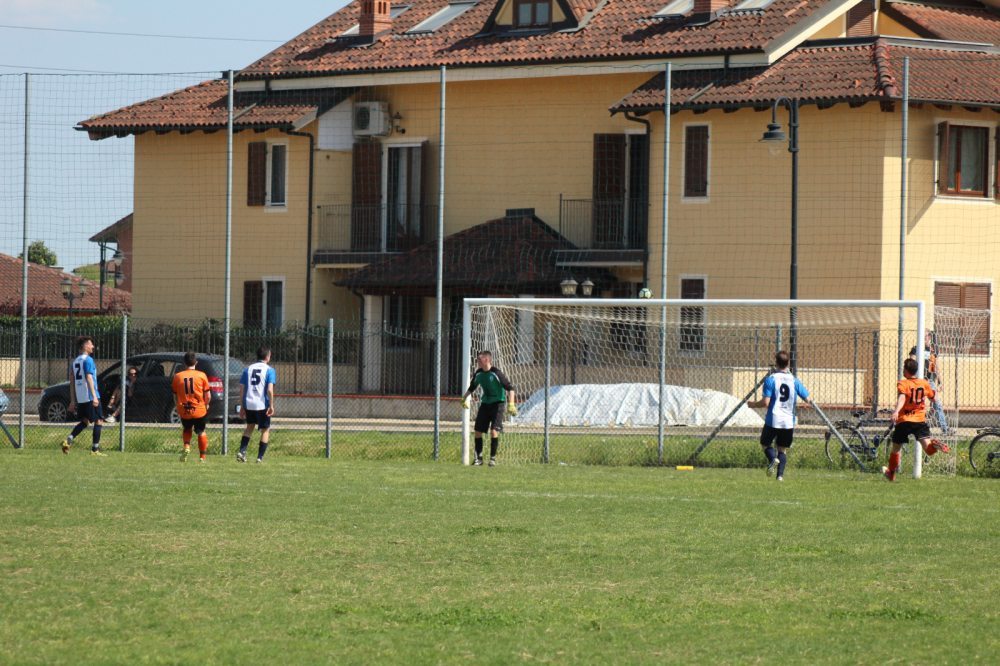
(559, 180)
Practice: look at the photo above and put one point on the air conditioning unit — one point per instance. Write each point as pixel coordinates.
(371, 119)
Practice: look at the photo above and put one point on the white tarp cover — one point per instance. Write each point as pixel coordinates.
(606, 405)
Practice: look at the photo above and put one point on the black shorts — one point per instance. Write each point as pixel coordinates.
(198, 424)
(902, 431)
(783, 435)
(87, 411)
(259, 418)
(490, 417)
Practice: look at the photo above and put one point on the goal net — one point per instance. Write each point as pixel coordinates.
(646, 382)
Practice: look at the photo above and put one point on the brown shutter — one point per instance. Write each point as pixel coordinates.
(366, 197)
(696, 161)
(944, 161)
(977, 297)
(861, 19)
(996, 171)
(608, 205)
(256, 173)
(948, 294)
(253, 304)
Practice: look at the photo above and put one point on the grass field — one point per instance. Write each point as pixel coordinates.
(138, 558)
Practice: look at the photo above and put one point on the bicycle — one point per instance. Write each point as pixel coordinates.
(984, 451)
(873, 453)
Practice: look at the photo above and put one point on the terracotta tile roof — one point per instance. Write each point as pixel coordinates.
(109, 234)
(852, 72)
(617, 30)
(958, 21)
(502, 254)
(45, 291)
(203, 106)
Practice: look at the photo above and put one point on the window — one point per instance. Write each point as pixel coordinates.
(963, 160)
(620, 203)
(532, 13)
(675, 8)
(276, 173)
(274, 303)
(403, 197)
(696, 161)
(747, 5)
(264, 303)
(253, 304)
(965, 296)
(394, 11)
(403, 317)
(442, 17)
(692, 328)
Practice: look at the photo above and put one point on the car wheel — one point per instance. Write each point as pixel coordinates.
(55, 410)
(173, 416)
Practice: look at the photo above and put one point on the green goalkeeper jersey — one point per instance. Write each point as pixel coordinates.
(494, 384)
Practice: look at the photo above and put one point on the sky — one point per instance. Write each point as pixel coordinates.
(76, 186)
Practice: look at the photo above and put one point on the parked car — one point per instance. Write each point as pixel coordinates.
(152, 398)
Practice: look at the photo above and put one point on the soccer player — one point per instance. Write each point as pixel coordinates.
(84, 398)
(781, 390)
(257, 403)
(193, 395)
(497, 390)
(910, 417)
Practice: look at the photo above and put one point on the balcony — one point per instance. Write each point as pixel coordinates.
(353, 234)
(607, 232)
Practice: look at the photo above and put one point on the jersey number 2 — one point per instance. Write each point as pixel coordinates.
(78, 368)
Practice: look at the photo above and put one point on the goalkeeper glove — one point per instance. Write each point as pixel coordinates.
(512, 409)
(465, 403)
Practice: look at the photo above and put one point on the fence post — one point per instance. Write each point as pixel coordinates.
(660, 434)
(548, 384)
(854, 376)
(24, 265)
(123, 386)
(329, 384)
(876, 372)
(227, 321)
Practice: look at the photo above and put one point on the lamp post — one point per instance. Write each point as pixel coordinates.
(775, 137)
(568, 289)
(70, 294)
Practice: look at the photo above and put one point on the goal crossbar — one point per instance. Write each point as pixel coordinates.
(664, 303)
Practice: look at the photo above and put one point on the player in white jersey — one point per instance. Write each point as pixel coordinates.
(257, 403)
(84, 397)
(781, 390)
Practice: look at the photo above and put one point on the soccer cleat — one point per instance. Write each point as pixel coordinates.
(184, 453)
(201, 460)
(478, 461)
(936, 446)
(109, 420)
(260, 460)
(68, 442)
(781, 478)
(889, 474)
(493, 462)
(772, 466)
(241, 457)
(97, 453)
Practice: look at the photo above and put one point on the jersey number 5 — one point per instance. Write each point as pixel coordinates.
(255, 377)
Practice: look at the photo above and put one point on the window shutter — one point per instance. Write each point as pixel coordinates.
(256, 173)
(861, 19)
(253, 304)
(977, 297)
(692, 288)
(366, 197)
(608, 205)
(996, 170)
(944, 161)
(696, 161)
(948, 294)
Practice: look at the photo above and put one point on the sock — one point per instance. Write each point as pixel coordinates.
(97, 437)
(261, 449)
(494, 445)
(202, 444)
(930, 449)
(771, 454)
(187, 439)
(782, 460)
(244, 443)
(78, 428)
(479, 447)
(894, 459)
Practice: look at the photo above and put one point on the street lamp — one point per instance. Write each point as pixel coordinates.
(70, 294)
(774, 138)
(568, 287)
(118, 258)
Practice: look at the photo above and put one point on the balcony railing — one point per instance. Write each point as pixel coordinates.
(618, 224)
(374, 228)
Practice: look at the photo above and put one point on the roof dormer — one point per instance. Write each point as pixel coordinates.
(532, 16)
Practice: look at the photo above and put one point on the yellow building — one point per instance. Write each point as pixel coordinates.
(553, 113)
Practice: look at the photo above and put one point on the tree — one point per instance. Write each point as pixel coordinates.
(38, 253)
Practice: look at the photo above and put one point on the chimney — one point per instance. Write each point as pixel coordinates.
(709, 7)
(375, 18)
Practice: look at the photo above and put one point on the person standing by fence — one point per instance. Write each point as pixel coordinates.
(257, 403)
(193, 394)
(84, 397)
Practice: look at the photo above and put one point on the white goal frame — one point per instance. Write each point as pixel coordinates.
(469, 303)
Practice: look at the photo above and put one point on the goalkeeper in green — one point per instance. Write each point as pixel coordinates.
(497, 390)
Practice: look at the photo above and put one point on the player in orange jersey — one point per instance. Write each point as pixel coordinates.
(910, 417)
(193, 395)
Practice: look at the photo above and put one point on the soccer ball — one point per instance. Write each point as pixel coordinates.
(645, 292)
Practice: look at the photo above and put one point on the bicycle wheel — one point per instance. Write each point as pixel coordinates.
(841, 459)
(984, 454)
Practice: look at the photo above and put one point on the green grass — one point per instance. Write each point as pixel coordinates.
(138, 558)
